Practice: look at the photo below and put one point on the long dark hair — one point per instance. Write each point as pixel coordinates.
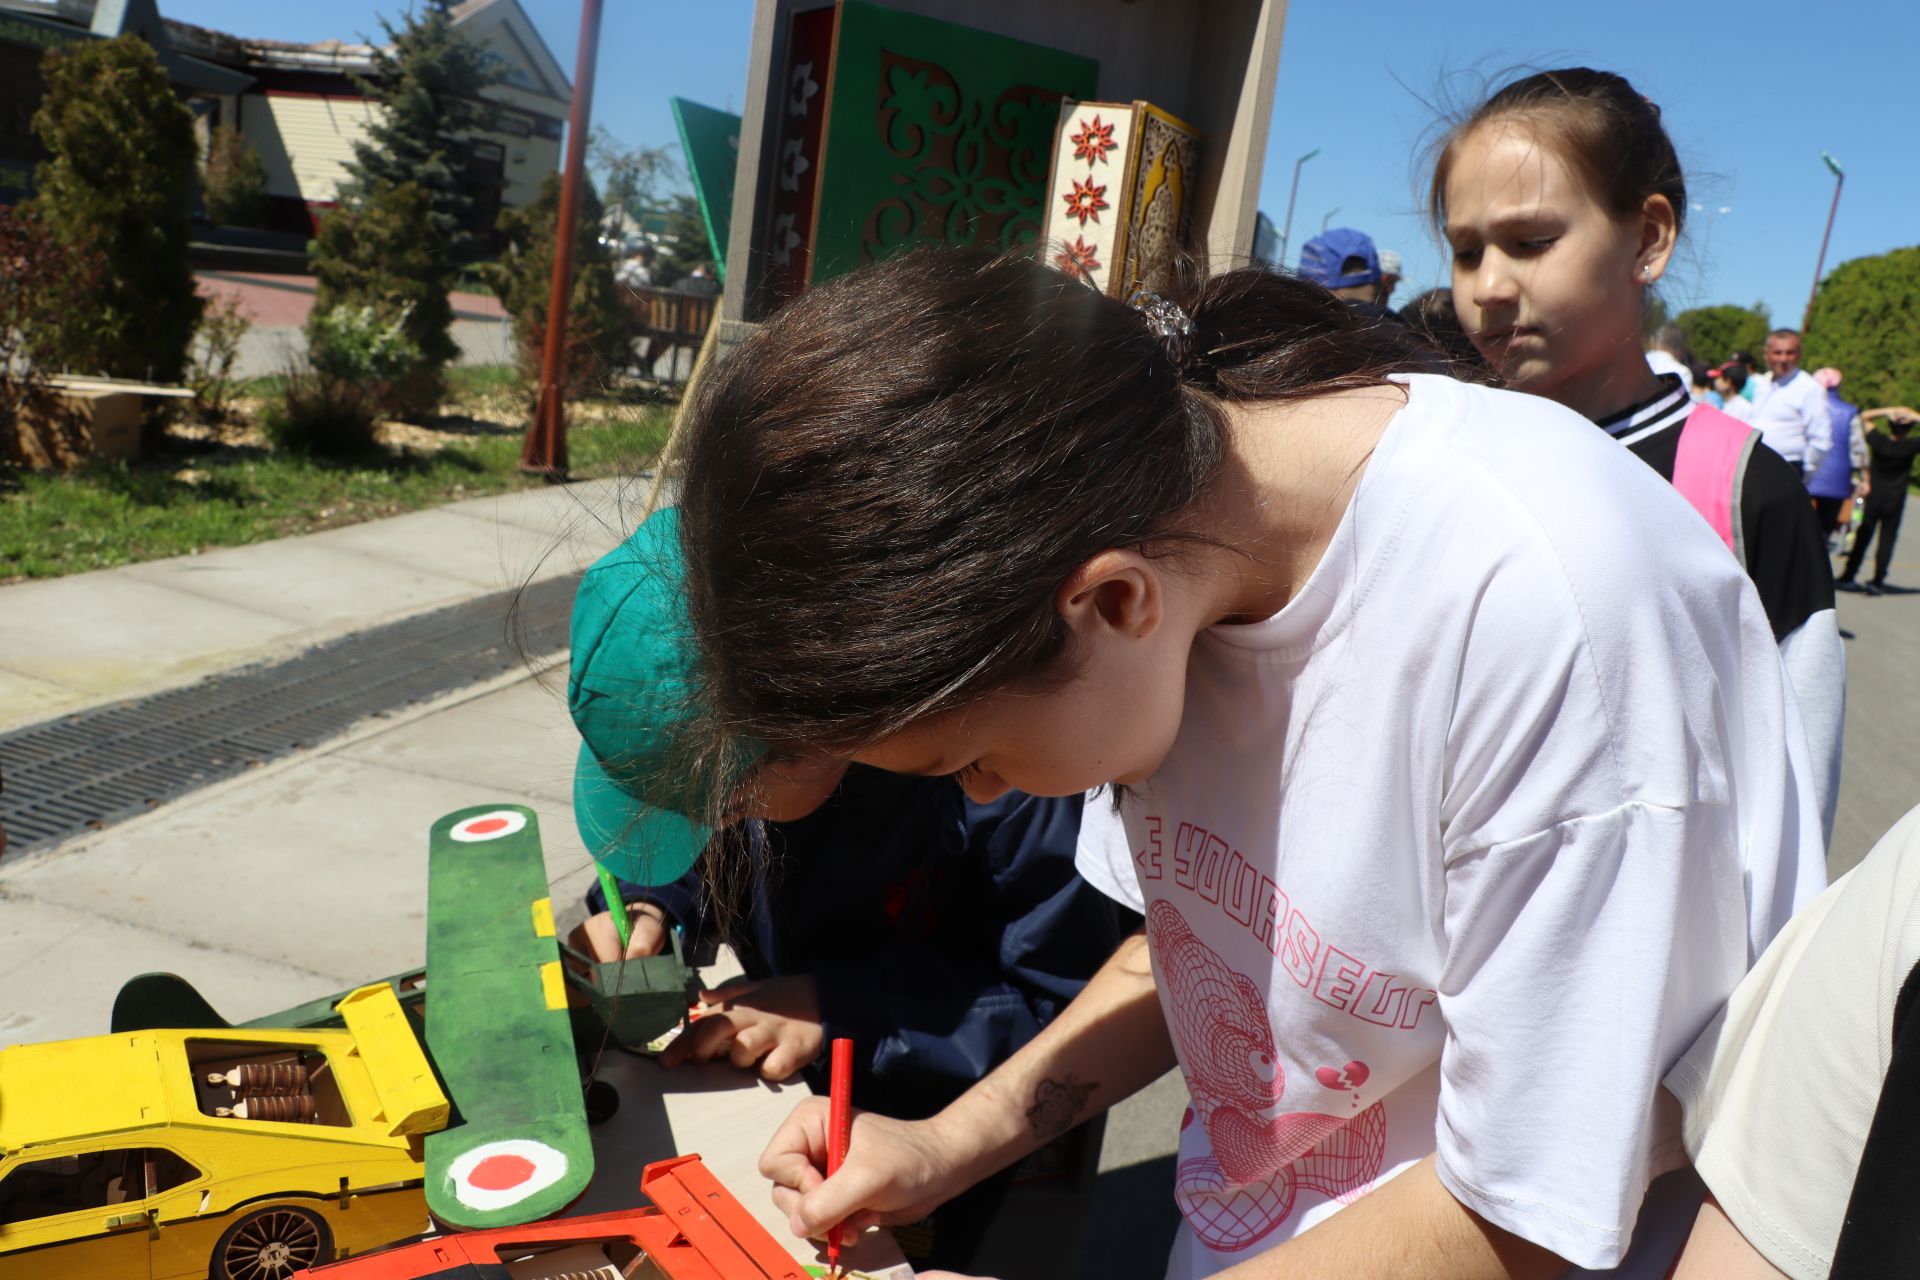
(888, 482)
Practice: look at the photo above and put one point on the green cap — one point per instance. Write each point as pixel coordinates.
(630, 692)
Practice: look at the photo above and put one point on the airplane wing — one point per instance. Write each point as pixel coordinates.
(498, 1029)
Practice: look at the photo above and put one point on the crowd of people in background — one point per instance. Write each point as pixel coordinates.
(1855, 463)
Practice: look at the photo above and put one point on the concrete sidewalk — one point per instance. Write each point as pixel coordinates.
(91, 638)
(309, 874)
(292, 881)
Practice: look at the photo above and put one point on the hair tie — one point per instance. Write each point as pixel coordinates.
(1169, 322)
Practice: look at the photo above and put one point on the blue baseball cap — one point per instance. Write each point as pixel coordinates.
(632, 692)
(1325, 258)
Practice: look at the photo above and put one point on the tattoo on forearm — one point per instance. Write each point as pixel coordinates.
(1057, 1105)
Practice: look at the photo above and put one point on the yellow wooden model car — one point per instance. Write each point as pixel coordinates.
(238, 1154)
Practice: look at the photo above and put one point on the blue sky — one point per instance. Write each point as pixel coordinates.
(1750, 106)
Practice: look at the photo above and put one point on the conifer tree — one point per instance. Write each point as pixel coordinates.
(406, 215)
(118, 183)
(233, 181)
(600, 328)
(428, 83)
(385, 255)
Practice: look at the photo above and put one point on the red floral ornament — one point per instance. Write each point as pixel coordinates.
(1093, 141)
(1078, 259)
(1085, 201)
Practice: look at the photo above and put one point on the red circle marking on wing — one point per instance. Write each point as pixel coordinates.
(501, 1172)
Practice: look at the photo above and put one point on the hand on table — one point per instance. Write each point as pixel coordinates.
(772, 1026)
(895, 1171)
(646, 934)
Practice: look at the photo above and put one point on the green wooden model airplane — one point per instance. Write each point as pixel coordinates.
(517, 1147)
(500, 1034)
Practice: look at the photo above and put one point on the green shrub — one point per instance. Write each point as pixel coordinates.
(358, 344)
(316, 414)
(330, 405)
(216, 350)
(600, 329)
(386, 255)
(233, 181)
(1714, 333)
(119, 182)
(37, 275)
(1863, 323)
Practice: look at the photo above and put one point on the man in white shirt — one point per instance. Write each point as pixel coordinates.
(1789, 407)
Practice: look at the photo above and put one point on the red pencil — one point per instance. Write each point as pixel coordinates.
(839, 1131)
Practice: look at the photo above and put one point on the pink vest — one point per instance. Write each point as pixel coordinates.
(1709, 467)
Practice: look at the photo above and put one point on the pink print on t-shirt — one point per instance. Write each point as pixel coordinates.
(1206, 865)
(1246, 1188)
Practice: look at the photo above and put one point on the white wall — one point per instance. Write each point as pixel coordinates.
(305, 142)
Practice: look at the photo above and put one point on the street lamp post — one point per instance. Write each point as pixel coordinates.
(1286, 231)
(1328, 217)
(1839, 180)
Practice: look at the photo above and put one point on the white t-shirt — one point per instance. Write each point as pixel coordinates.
(1792, 418)
(1660, 362)
(1451, 850)
(1780, 1089)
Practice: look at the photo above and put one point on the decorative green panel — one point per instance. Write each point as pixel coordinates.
(710, 141)
(936, 134)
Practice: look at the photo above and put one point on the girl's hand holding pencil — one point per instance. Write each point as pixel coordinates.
(895, 1171)
(599, 936)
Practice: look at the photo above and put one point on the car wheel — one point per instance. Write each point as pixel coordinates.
(271, 1244)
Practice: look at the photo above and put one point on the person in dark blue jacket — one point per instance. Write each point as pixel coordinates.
(938, 934)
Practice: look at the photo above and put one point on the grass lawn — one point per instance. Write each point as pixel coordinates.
(214, 491)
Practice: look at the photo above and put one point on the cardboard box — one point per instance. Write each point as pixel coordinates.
(85, 419)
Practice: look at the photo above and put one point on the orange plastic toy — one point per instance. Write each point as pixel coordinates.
(695, 1230)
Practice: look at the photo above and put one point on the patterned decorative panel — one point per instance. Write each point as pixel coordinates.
(787, 239)
(1120, 196)
(1165, 172)
(936, 134)
(1085, 215)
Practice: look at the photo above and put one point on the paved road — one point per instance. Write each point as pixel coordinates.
(1880, 777)
(278, 306)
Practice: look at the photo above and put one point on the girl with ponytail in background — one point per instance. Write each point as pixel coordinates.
(1562, 200)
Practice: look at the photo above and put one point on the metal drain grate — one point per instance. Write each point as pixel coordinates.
(93, 768)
